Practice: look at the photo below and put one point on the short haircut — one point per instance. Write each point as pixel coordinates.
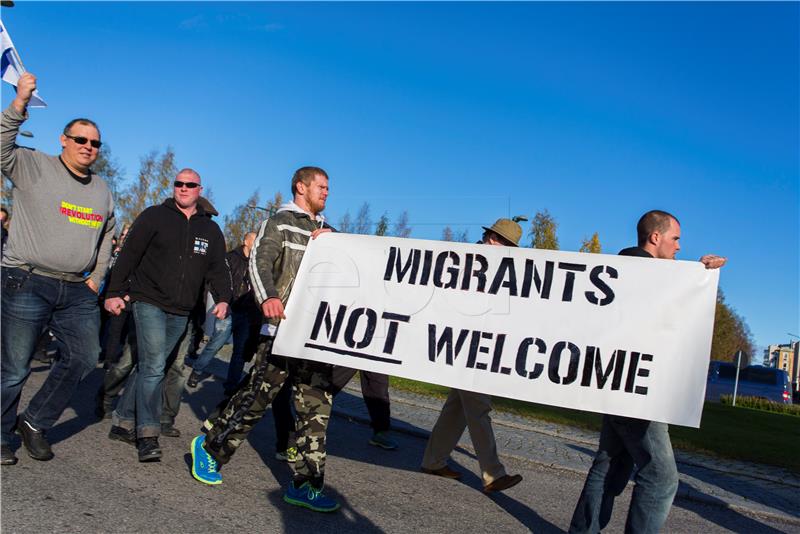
(187, 170)
(4, 210)
(85, 122)
(306, 175)
(653, 221)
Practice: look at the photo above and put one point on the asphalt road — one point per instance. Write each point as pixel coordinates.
(97, 485)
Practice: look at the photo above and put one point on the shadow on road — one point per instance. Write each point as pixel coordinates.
(347, 519)
(730, 520)
(83, 402)
(341, 432)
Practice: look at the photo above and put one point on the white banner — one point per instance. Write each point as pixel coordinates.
(611, 334)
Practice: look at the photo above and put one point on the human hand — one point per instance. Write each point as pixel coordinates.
(272, 308)
(26, 85)
(319, 231)
(114, 305)
(92, 285)
(220, 311)
(712, 261)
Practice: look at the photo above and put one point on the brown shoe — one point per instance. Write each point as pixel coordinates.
(445, 472)
(502, 483)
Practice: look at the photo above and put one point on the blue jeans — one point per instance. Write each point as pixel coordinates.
(157, 333)
(220, 336)
(31, 303)
(623, 443)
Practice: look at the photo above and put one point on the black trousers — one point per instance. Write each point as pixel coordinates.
(374, 388)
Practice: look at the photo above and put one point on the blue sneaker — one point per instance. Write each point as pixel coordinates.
(309, 497)
(204, 466)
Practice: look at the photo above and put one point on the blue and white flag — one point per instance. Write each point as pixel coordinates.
(11, 67)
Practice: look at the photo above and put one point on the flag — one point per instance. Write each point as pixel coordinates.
(11, 67)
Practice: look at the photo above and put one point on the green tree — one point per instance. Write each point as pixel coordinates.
(401, 227)
(151, 187)
(591, 244)
(462, 236)
(731, 334)
(543, 231)
(382, 228)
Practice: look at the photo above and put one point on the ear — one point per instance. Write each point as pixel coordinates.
(63, 139)
(654, 238)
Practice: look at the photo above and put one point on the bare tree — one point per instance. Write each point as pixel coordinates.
(363, 222)
(447, 234)
(346, 223)
(248, 217)
(151, 187)
(107, 168)
(401, 227)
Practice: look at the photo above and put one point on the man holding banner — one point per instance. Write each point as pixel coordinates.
(274, 262)
(469, 409)
(625, 441)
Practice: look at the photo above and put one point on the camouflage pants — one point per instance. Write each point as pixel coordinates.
(313, 400)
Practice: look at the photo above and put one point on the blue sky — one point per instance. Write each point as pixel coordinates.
(461, 113)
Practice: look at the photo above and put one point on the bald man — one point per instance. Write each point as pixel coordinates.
(171, 250)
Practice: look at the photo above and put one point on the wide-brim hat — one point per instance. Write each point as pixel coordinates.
(507, 229)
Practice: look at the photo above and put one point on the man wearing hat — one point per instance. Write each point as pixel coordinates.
(468, 409)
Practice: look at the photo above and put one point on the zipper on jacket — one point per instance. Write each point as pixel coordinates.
(183, 264)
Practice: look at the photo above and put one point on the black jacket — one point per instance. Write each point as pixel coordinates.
(243, 298)
(635, 251)
(167, 258)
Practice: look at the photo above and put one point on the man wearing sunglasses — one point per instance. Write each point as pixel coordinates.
(56, 256)
(171, 251)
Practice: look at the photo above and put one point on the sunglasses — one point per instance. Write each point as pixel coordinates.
(96, 143)
(188, 185)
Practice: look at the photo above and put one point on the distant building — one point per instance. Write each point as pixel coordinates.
(786, 357)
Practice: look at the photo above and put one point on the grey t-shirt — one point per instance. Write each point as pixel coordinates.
(60, 226)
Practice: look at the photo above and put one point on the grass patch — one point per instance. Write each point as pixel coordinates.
(726, 431)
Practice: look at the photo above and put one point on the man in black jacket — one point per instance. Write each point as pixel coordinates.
(624, 441)
(245, 312)
(170, 252)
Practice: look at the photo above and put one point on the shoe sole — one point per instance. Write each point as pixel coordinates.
(304, 504)
(515, 480)
(121, 439)
(9, 461)
(153, 457)
(194, 473)
(383, 446)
